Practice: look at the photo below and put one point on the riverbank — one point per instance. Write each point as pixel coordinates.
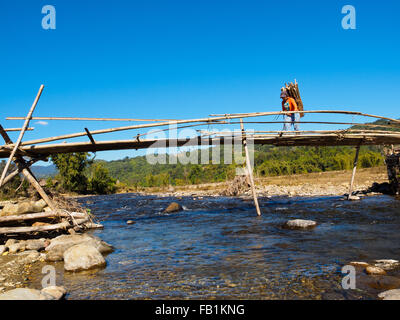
(24, 260)
(332, 183)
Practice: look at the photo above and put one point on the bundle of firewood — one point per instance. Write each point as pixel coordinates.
(31, 217)
(293, 91)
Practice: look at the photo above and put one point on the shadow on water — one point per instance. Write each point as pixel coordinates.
(218, 249)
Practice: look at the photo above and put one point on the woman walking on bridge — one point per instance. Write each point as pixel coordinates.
(289, 104)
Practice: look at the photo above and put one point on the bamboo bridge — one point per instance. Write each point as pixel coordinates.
(25, 153)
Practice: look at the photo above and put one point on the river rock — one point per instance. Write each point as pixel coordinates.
(130, 222)
(29, 256)
(386, 264)
(300, 224)
(173, 207)
(353, 198)
(10, 242)
(39, 205)
(21, 294)
(383, 282)
(55, 251)
(35, 244)
(12, 209)
(393, 294)
(83, 257)
(359, 264)
(16, 247)
(371, 270)
(53, 292)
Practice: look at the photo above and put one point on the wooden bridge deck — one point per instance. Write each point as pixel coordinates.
(287, 139)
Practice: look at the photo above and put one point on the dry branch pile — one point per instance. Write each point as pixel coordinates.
(293, 91)
(237, 187)
(34, 218)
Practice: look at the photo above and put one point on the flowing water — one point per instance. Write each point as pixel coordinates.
(217, 248)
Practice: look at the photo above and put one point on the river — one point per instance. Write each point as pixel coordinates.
(217, 248)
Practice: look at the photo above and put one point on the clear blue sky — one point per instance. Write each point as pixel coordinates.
(186, 59)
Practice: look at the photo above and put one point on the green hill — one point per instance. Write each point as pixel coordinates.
(268, 160)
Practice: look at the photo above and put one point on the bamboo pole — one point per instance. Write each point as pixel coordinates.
(305, 131)
(322, 122)
(32, 180)
(10, 177)
(17, 129)
(58, 226)
(42, 215)
(5, 136)
(249, 168)
(23, 167)
(21, 135)
(86, 119)
(207, 120)
(258, 114)
(271, 139)
(350, 196)
(16, 172)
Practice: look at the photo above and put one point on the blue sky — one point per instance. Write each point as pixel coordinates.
(188, 59)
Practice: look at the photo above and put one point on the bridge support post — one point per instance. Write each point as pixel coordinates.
(350, 196)
(249, 168)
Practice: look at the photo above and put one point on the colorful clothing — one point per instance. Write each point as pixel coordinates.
(289, 105)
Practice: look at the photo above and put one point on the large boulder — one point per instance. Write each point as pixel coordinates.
(173, 207)
(83, 257)
(55, 251)
(300, 224)
(12, 209)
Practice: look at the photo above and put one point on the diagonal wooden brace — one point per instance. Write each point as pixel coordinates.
(23, 166)
(21, 135)
(18, 171)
